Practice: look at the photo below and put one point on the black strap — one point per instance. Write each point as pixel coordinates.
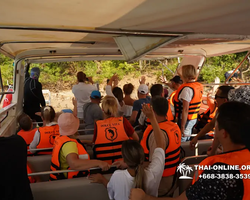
(110, 158)
(108, 151)
(108, 144)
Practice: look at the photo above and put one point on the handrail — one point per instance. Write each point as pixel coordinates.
(212, 84)
(42, 149)
(63, 171)
(7, 108)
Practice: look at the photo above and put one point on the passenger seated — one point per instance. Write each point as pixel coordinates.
(14, 182)
(137, 106)
(92, 112)
(45, 136)
(27, 132)
(127, 90)
(68, 152)
(206, 117)
(232, 130)
(113, 90)
(135, 176)
(155, 90)
(172, 138)
(111, 132)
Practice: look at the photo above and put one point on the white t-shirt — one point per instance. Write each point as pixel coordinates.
(121, 109)
(121, 182)
(82, 92)
(186, 94)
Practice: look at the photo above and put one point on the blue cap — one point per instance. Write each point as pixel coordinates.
(96, 94)
(67, 111)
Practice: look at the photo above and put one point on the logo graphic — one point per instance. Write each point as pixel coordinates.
(177, 139)
(52, 138)
(184, 170)
(111, 133)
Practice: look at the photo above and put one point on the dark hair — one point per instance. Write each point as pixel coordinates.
(156, 90)
(25, 122)
(128, 89)
(235, 119)
(118, 93)
(224, 90)
(133, 156)
(160, 105)
(48, 113)
(81, 77)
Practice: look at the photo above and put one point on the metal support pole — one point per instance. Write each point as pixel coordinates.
(226, 81)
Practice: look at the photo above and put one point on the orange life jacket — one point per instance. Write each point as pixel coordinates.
(171, 98)
(240, 157)
(194, 104)
(172, 153)
(28, 137)
(110, 135)
(55, 161)
(31, 179)
(47, 138)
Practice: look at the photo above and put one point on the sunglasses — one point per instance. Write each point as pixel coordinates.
(217, 96)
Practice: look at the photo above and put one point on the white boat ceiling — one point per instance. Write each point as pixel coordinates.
(125, 30)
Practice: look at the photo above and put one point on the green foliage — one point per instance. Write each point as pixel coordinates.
(7, 69)
(65, 72)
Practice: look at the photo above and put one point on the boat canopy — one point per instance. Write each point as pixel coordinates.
(49, 31)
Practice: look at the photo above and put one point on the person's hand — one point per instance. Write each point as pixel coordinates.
(209, 151)
(193, 142)
(137, 194)
(148, 111)
(104, 166)
(142, 80)
(163, 79)
(90, 79)
(96, 178)
(74, 101)
(120, 164)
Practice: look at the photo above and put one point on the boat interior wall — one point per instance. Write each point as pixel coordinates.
(77, 189)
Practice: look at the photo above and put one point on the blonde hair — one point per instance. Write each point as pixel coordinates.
(188, 72)
(109, 106)
(133, 156)
(48, 113)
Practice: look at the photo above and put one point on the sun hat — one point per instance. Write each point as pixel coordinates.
(68, 124)
(143, 89)
(241, 94)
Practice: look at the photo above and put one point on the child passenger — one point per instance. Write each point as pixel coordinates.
(27, 132)
(45, 136)
(135, 176)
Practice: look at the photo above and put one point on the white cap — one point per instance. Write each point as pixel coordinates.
(143, 89)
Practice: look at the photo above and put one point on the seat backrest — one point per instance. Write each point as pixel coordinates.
(190, 161)
(186, 147)
(203, 145)
(40, 164)
(77, 189)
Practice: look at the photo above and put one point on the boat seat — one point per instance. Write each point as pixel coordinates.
(186, 147)
(203, 145)
(190, 161)
(77, 189)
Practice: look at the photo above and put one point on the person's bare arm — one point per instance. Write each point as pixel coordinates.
(74, 102)
(206, 129)
(98, 178)
(135, 136)
(184, 116)
(159, 137)
(80, 164)
(139, 194)
(133, 117)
